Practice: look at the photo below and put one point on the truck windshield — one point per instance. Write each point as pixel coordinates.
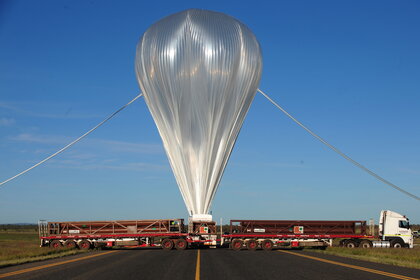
(404, 224)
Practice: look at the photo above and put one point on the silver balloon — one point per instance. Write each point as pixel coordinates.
(199, 71)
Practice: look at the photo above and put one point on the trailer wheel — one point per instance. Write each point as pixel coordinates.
(181, 244)
(350, 244)
(56, 244)
(70, 244)
(267, 245)
(84, 245)
(365, 244)
(237, 244)
(396, 243)
(252, 244)
(167, 244)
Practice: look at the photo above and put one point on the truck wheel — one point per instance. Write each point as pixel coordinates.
(55, 244)
(395, 243)
(69, 244)
(237, 244)
(350, 244)
(267, 245)
(252, 244)
(365, 244)
(167, 244)
(84, 245)
(99, 245)
(181, 244)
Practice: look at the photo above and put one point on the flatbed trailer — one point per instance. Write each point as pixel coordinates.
(394, 231)
(165, 233)
(269, 234)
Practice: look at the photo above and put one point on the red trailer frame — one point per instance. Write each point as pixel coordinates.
(269, 234)
(167, 233)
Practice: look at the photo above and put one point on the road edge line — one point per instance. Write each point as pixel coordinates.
(17, 272)
(379, 272)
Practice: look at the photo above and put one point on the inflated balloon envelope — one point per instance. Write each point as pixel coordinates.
(199, 71)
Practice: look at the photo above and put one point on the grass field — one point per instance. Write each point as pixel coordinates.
(21, 246)
(400, 257)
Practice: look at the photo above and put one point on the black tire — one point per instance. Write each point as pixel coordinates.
(56, 244)
(397, 243)
(84, 245)
(252, 244)
(267, 245)
(350, 244)
(70, 244)
(367, 244)
(181, 244)
(167, 244)
(237, 244)
(99, 245)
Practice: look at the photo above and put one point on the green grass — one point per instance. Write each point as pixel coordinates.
(17, 247)
(399, 257)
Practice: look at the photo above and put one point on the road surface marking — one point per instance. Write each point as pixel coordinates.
(197, 266)
(352, 266)
(51, 265)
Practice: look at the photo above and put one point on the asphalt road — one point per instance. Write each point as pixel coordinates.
(206, 264)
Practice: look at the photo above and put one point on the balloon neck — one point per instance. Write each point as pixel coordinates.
(202, 217)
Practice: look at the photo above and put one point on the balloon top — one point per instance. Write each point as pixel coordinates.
(199, 71)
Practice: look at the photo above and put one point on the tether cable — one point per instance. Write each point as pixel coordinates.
(74, 142)
(338, 151)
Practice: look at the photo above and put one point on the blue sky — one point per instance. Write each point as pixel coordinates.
(347, 69)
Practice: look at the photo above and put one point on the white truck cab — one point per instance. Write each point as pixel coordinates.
(395, 229)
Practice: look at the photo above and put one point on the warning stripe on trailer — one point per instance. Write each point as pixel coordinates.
(112, 235)
(326, 236)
